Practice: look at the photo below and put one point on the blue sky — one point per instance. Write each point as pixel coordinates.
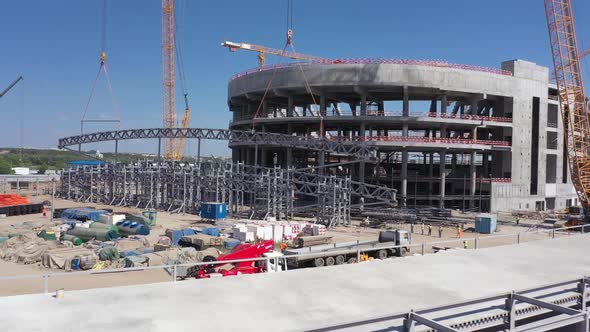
(55, 45)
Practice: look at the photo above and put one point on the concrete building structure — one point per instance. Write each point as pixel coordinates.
(446, 135)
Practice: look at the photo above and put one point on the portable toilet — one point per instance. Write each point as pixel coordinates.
(213, 210)
(485, 223)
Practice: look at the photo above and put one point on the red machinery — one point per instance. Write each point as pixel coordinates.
(242, 251)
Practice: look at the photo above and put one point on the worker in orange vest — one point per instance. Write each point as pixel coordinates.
(44, 212)
(459, 232)
(283, 246)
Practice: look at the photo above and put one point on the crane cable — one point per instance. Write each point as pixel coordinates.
(179, 57)
(289, 42)
(103, 68)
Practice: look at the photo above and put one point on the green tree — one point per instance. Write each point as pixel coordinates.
(42, 169)
(5, 167)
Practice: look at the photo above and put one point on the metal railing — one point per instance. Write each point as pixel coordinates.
(366, 61)
(172, 269)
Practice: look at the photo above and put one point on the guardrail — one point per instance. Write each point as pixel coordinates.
(369, 61)
(282, 261)
(331, 114)
(421, 140)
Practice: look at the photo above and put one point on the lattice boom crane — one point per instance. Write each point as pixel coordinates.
(574, 109)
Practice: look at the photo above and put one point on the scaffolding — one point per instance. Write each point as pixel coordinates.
(249, 191)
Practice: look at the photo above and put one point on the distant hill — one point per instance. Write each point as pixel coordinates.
(42, 159)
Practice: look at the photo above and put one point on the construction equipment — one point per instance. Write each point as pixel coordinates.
(242, 251)
(574, 109)
(173, 147)
(263, 51)
(351, 252)
(18, 79)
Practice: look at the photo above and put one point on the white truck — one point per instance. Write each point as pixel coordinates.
(349, 252)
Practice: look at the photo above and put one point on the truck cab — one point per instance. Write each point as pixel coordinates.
(397, 237)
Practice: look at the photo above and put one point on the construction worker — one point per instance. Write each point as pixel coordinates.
(459, 231)
(465, 244)
(517, 220)
(412, 228)
(440, 230)
(283, 246)
(422, 227)
(44, 211)
(429, 230)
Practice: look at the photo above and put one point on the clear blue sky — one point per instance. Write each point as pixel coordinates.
(55, 46)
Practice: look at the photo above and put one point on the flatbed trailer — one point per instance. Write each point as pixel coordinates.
(349, 252)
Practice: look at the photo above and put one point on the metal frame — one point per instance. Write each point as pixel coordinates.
(358, 149)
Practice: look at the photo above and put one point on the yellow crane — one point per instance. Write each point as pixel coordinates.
(173, 147)
(574, 109)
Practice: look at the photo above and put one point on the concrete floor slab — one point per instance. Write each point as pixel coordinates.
(304, 299)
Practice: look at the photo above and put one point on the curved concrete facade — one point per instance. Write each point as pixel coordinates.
(445, 136)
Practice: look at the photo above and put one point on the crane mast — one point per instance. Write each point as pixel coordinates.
(169, 114)
(574, 110)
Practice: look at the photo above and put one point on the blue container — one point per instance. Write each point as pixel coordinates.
(76, 264)
(485, 223)
(213, 211)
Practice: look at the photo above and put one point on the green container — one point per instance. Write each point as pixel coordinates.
(100, 225)
(87, 234)
(74, 239)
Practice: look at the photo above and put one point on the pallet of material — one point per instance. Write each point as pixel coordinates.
(201, 241)
(22, 209)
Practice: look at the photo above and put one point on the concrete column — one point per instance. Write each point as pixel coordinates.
(406, 102)
(362, 163)
(442, 178)
(472, 178)
(323, 105)
(263, 151)
(404, 176)
(363, 104)
(474, 133)
(443, 132)
(474, 107)
(381, 106)
(289, 151)
(430, 173)
(405, 130)
(485, 172)
(443, 104)
(290, 106)
(264, 111)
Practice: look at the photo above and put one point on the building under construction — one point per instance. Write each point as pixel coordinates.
(443, 135)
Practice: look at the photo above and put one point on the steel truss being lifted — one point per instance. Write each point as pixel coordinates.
(248, 190)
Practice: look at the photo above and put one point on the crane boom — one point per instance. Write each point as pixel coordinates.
(263, 50)
(18, 79)
(566, 62)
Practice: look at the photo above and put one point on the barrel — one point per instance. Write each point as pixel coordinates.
(74, 239)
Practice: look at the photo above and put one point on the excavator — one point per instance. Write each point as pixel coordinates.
(242, 251)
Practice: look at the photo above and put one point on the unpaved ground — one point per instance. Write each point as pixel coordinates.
(166, 220)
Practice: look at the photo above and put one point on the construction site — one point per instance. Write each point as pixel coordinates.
(360, 194)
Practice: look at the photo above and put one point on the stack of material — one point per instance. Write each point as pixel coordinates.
(128, 228)
(83, 214)
(109, 254)
(111, 218)
(133, 243)
(62, 258)
(140, 219)
(213, 231)
(314, 229)
(87, 234)
(201, 241)
(25, 248)
(11, 199)
(176, 234)
(308, 241)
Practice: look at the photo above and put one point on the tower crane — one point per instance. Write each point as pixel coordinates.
(263, 51)
(173, 147)
(18, 79)
(574, 109)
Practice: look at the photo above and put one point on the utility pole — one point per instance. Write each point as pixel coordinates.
(52, 198)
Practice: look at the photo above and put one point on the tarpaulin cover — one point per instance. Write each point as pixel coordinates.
(127, 228)
(176, 234)
(109, 254)
(137, 252)
(83, 214)
(213, 231)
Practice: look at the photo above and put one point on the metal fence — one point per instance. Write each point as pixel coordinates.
(282, 265)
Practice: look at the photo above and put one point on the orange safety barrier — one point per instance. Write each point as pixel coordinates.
(11, 199)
